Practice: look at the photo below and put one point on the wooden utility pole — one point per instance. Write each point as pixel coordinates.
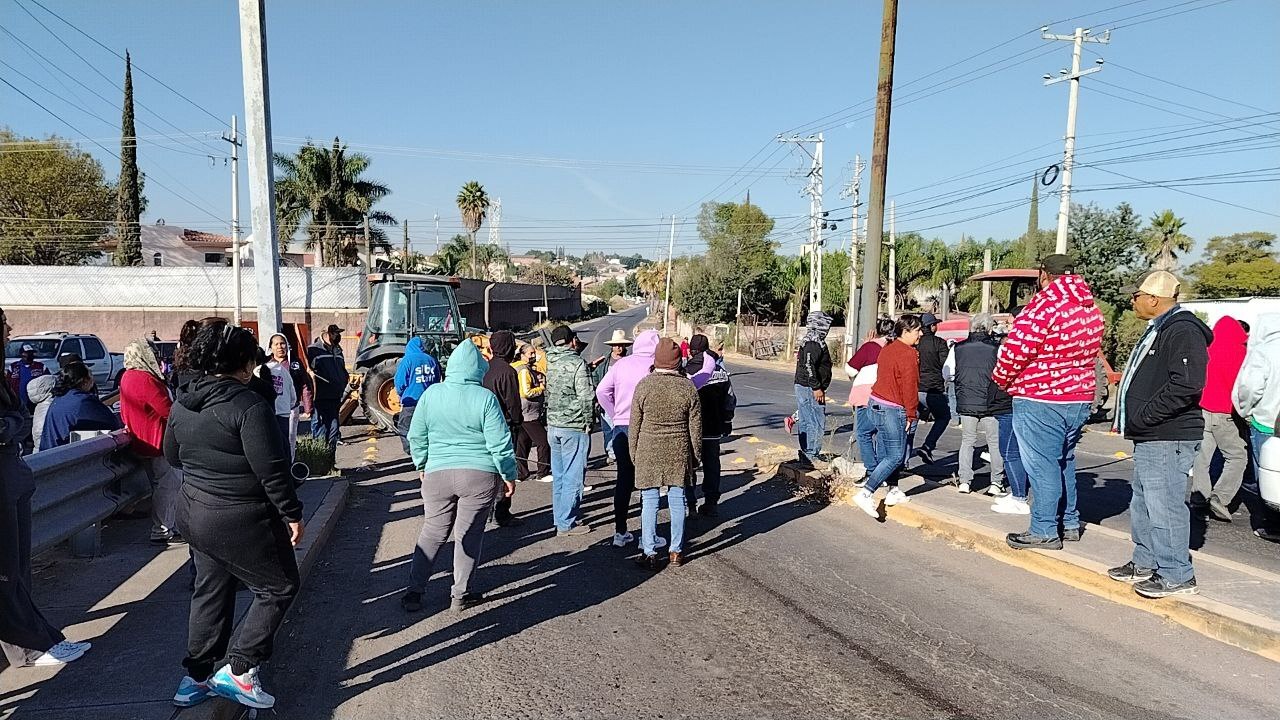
(368, 247)
(879, 166)
(404, 254)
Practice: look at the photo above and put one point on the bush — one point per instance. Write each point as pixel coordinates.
(618, 304)
(314, 452)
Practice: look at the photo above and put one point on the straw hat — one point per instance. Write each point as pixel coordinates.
(619, 338)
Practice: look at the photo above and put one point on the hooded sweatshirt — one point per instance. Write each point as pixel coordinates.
(330, 368)
(224, 438)
(415, 372)
(619, 385)
(460, 424)
(1257, 390)
(1053, 346)
(501, 379)
(1164, 378)
(1226, 356)
(40, 392)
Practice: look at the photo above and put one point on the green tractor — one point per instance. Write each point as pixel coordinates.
(402, 306)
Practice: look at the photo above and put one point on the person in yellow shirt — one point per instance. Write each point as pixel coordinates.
(533, 431)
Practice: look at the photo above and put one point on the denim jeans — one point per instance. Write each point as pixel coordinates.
(1159, 517)
(649, 499)
(1014, 472)
(1047, 434)
(569, 449)
(811, 422)
(864, 435)
(325, 424)
(940, 408)
(990, 426)
(403, 422)
(607, 431)
(889, 447)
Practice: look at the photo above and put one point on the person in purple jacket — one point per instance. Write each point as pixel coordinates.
(614, 395)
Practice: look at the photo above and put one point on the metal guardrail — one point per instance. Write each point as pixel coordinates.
(80, 485)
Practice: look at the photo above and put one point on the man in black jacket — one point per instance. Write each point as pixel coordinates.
(813, 377)
(329, 368)
(501, 380)
(933, 355)
(1160, 412)
(979, 401)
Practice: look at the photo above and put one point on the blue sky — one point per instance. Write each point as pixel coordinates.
(658, 104)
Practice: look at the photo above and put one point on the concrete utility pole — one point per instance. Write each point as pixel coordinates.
(986, 286)
(816, 221)
(893, 262)
(1078, 39)
(853, 191)
(262, 196)
(437, 233)
(234, 139)
(671, 246)
(368, 247)
(879, 166)
(404, 254)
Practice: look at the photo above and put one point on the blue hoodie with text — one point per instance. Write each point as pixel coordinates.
(416, 372)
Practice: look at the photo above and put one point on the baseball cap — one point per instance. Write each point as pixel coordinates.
(1058, 264)
(335, 329)
(1157, 283)
(562, 335)
(928, 319)
(28, 348)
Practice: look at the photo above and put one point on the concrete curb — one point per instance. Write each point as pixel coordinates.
(326, 516)
(1244, 629)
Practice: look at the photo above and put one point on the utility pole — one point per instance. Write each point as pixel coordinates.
(737, 322)
(262, 197)
(234, 139)
(816, 220)
(1078, 39)
(853, 191)
(893, 262)
(368, 247)
(404, 254)
(437, 233)
(879, 166)
(671, 246)
(986, 285)
(495, 223)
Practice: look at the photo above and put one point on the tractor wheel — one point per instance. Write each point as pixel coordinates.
(378, 397)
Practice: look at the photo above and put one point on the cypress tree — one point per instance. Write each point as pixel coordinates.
(1033, 222)
(129, 193)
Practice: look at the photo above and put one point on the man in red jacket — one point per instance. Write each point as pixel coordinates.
(1047, 365)
(144, 408)
(1224, 431)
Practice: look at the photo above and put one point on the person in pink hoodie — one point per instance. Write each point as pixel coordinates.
(1224, 431)
(614, 395)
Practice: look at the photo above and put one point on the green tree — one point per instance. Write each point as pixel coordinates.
(609, 289)
(1239, 279)
(1108, 249)
(55, 204)
(460, 252)
(631, 285)
(740, 256)
(550, 274)
(323, 192)
(1239, 247)
(1164, 240)
(129, 199)
(473, 203)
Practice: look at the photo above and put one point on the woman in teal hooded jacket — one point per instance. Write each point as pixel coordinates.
(462, 447)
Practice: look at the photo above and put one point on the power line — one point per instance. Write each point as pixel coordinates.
(1162, 17)
(1188, 89)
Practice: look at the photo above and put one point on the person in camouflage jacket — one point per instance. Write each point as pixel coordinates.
(570, 410)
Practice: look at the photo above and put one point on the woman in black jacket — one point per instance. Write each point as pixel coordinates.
(239, 513)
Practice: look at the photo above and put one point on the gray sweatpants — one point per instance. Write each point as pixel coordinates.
(969, 426)
(1222, 432)
(454, 503)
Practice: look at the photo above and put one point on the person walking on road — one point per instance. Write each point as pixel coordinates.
(665, 439)
(813, 377)
(533, 410)
(615, 395)
(715, 393)
(501, 380)
(145, 407)
(415, 372)
(1256, 398)
(26, 637)
(1159, 411)
(1224, 431)
(1047, 365)
(979, 402)
(892, 406)
(461, 445)
(329, 368)
(240, 514)
(933, 352)
(571, 406)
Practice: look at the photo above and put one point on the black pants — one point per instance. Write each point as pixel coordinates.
(710, 471)
(533, 434)
(324, 422)
(940, 410)
(22, 627)
(230, 542)
(403, 421)
(625, 486)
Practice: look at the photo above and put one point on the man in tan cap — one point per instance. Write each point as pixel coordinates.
(1159, 410)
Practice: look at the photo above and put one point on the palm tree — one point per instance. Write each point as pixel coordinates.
(473, 203)
(321, 190)
(1164, 240)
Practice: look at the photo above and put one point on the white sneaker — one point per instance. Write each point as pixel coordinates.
(867, 502)
(996, 491)
(623, 539)
(545, 479)
(245, 689)
(588, 488)
(896, 497)
(986, 456)
(60, 654)
(1010, 505)
(963, 488)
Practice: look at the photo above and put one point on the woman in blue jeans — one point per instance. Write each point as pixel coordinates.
(892, 409)
(1015, 503)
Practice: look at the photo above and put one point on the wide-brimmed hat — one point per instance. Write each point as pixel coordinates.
(619, 338)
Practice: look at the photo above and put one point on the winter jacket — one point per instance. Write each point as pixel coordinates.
(813, 366)
(619, 385)
(665, 435)
(287, 393)
(415, 372)
(715, 394)
(330, 368)
(40, 392)
(1257, 390)
(20, 374)
(898, 377)
(1164, 379)
(977, 395)
(224, 438)
(501, 380)
(571, 400)
(77, 410)
(1226, 356)
(532, 386)
(144, 408)
(1050, 352)
(460, 424)
(933, 352)
(864, 364)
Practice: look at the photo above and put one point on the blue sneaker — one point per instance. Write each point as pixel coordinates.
(245, 689)
(191, 693)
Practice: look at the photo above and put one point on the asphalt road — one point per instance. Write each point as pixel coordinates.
(784, 610)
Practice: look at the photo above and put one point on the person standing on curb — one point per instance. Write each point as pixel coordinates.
(615, 395)
(892, 406)
(26, 637)
(571, 405)
(1047, 365)
(145, 406)
(933, 386)
(705, 368)
(1224, 431)
(1160, 412)
(461, 444)
(1257, 400)
(329, 368)
(415, 372)
(533, 429)
(813, 377)
(501, 380)
(979, 402)
(665, 438)
(863, 363)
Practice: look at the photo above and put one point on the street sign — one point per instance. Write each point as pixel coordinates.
(540, 308)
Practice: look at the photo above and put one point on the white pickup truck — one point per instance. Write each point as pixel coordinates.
(51, 345)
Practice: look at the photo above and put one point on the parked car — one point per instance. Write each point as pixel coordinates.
(52, 345)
